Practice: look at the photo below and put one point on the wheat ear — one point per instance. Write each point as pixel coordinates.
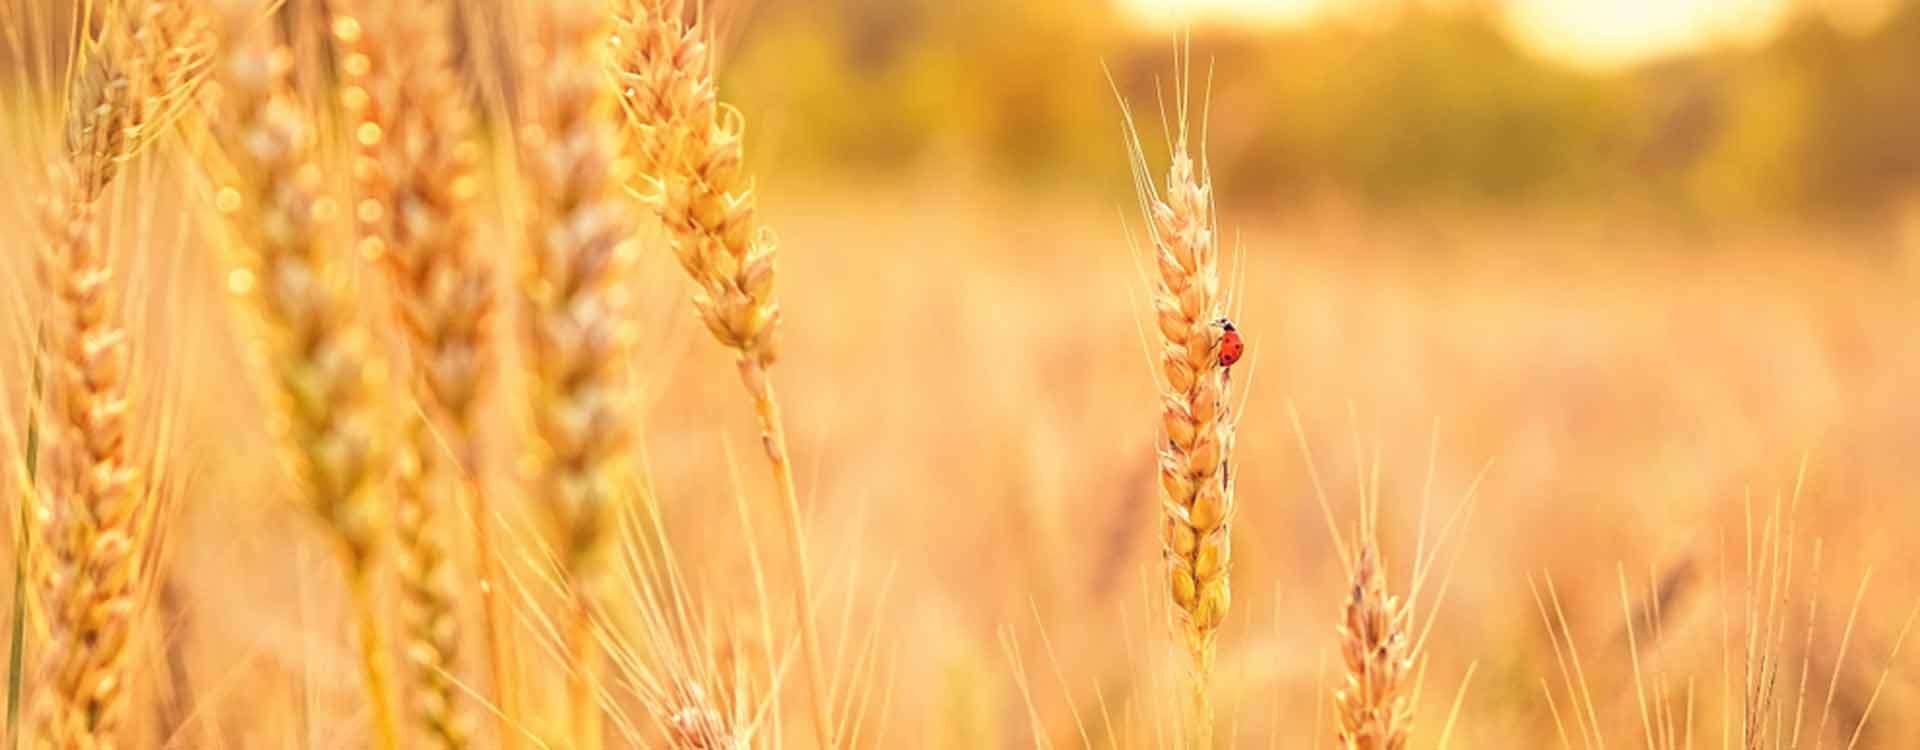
(692, 174)
(414, 167)
(579, 246)
(1377, 650)
(1195, 458)
(92, 520)
(293, 274)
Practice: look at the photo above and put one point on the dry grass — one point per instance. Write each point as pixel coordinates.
(1759, 625)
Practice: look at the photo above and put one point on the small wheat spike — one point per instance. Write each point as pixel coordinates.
(92, 519)
(692, 173)
(579, 246)
(414, 170)
(1377, 649)
(292, 272)
(1199, 430)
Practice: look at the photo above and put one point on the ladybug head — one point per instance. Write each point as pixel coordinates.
(1224, 324)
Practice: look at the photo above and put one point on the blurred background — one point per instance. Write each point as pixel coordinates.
(1637, 261)
(1631, 274)
(1729, 109)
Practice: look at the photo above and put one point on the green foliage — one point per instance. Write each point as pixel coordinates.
(16, 637)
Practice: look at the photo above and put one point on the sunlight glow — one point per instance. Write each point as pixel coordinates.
(1857, 16)
(1622, 32)
(1602, 34)
(1250, 12)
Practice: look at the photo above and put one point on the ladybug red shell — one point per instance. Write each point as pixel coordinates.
(1231, 345)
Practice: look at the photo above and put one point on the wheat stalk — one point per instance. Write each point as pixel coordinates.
(579, 232)
(692, 174)
(414, 168)
(1194, 460)
(293, 274)
(92, 519)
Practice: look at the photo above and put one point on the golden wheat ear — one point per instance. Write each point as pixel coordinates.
(1195, 457)
(415, 183)
(573, 290)
(94, 535)
(291, 270)
(1382, 634)
(701, 682)
(690, 154)
(1372, 704)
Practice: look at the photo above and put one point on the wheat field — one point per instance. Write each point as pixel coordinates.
(489, 375)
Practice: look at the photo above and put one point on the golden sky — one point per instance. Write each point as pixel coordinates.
(1591, 33)
(1613, 32)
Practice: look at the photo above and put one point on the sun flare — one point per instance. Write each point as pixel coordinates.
(1591, 34)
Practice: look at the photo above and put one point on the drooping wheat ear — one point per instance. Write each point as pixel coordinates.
(1375, 644)
(579, 248)
(292, 271)
(93, 518)
(1195, 458)
(692, 173)
(413, 168)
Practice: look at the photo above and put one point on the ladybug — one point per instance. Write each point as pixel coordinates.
(1231, 346)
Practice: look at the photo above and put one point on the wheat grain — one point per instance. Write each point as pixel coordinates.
(93, 519)
(579, 247)
(413, 167)
(692, 174)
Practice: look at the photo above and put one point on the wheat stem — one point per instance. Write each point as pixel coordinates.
(373, 662)
(773, 436)
(500, 651)
(586, 664)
